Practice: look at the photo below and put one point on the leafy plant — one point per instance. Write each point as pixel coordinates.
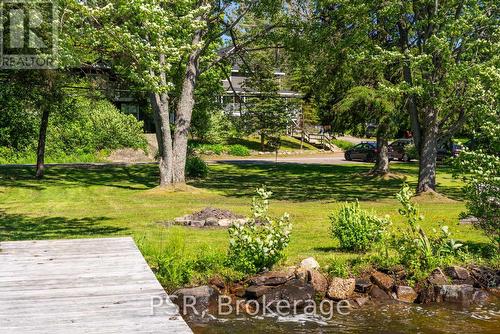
(416, 250)
(260, 242)
(196, 167)
(338, 268)
(238, 150)
(355, 228)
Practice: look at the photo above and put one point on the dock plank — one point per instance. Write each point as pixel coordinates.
(81, 286)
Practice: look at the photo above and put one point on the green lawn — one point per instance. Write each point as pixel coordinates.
(99, 202)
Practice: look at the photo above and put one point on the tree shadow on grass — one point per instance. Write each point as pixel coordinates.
(20, 227)
(138, 177)
(301, 182)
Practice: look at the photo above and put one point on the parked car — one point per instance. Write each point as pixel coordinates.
(366, 151)
(448, 150)
(399, 150)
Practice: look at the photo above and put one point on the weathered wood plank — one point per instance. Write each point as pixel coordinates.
(81, 286)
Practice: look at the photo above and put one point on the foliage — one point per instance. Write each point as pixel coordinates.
(338, 268)
(355, 228)
(480, 169)
(196, 167)
(211, 126)
(238, 150)
(218, 149)
(259, 243)
(344, 145)
(81, 130)
(416, 250)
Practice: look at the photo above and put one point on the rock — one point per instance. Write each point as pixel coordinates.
(459, 294)
(199, 297)
(469, 220)
(486, 277)
(225, 222)
(363, 285)
(458, 273)
(437, 277)
(255, 291)
(182, 220)
(405, 294)
(211, 221)
(196, 223)
(495, 292)
(309, 263)
(378, 293)
(294, 292)
(480, 297)
(341, 288)
(271, 278)
(217, 282)
(318, 282)
(302, 274)
(360, 301)
(382, 280)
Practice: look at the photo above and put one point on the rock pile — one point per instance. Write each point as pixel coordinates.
(210, 217)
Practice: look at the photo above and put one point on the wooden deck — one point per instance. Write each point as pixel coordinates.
(81, 286)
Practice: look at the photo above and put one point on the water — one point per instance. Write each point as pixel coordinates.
(392, 318)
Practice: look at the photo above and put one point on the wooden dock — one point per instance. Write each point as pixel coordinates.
(82, 286)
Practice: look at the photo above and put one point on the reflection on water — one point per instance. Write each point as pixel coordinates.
(393, 319)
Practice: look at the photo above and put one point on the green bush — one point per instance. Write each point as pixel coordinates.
(259, 243)
(196, 167)
(355, 228)
(238, 150)
(344, 145)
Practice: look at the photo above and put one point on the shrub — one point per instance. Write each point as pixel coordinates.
(338, 268)
(196, 167)
(417, 250)
(344, 145)
(259, 243)
(355, 228)
(239, 150)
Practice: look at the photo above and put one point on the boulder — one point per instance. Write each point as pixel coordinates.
(295, 292)
(486, 277)
(360, 301)
(437, 277)
(200, 298)
(341, 289)
(225, 222)
(405, 294)
(271, 278)
(211, 221)
(318, 282)
(458, 294)
(217, 282)
(457, 273)
(196, 223)
(378, 293)
(255, 291)
(362, 285)
(182, 220)
(382, 280)
(310, 263)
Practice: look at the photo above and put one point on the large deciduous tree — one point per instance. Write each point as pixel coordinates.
(427, 51)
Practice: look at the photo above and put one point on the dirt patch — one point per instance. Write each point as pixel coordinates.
(432, 196)
(213, 213)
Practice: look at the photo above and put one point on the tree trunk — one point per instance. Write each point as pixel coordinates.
(184, 111)
(42, 138)
(382, 163)
(262, 142)
(428, 153)
(159, 103)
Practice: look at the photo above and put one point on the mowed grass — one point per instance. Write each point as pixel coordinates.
(118, 201)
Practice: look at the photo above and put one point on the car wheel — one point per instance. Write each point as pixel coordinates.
(348, 157)
(406, 158)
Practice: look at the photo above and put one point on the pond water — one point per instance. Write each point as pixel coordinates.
(392, 318)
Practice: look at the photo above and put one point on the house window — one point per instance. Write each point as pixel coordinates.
(132, 109)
